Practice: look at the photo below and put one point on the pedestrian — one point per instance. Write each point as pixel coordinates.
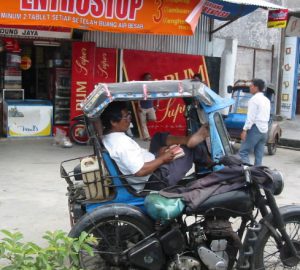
(255, 130)
(146, 111)
(142, 168)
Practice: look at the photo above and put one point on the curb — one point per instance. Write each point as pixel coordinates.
(289, 143)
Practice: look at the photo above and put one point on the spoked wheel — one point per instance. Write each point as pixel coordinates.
(269, 256)
(113, 237)
(78, 133)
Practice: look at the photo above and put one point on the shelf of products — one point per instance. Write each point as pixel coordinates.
(61, 84)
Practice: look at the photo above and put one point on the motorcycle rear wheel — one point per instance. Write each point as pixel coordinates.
(113, 237)
(268, 256)
(78, 133)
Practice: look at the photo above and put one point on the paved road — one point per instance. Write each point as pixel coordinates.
(32, 194)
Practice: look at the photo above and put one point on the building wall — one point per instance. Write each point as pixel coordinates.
(198, 44)
(251, 31)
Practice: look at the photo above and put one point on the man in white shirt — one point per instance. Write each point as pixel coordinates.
(255, 130)
(144, 168)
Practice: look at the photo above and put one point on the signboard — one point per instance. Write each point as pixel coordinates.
(130, 16)
(124, 16)
(289, 78)
(28, 120)
(35, 32)
(163, 66)
(105, 65)
(83, 62)
(277, 18)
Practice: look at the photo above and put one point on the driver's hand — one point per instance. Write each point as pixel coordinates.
(166, 156)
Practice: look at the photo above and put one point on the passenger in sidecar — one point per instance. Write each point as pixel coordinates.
(161, 161)
(100, 181)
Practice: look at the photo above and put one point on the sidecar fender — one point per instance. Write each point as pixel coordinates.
(109, 211)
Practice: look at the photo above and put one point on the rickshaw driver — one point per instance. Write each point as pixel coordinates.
(157, 163)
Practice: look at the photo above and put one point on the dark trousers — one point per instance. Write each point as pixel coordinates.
(170, 173)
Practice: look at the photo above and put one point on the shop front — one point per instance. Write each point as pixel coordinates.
(35, 69)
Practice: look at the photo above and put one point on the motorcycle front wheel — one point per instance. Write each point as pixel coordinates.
(113, 236)
(269, 256)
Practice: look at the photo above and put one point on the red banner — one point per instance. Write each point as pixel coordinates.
(106, 65)
(278, 18)
(168, 66)
(83, 62)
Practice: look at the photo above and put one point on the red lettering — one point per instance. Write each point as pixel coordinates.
(26, 4)
(40, 4)
(109, 9)
(135, 6)
(82, 6)
(54, 5)
(97, 8)
(122, 9)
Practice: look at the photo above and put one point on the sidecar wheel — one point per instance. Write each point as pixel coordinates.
(113, 237)
(269, 256)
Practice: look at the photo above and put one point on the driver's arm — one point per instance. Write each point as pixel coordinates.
(151, 166)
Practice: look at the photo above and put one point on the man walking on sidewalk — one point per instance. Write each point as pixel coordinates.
(255, 130)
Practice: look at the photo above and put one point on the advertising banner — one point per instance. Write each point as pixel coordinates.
(105, 65)
(165, 66)
(83, 63)
(125, 16)
(277, 18)
(289, 77)
(23, 120)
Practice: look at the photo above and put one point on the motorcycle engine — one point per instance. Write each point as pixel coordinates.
(210, 239)
(184, 263)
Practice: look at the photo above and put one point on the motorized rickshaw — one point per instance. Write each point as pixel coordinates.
(237, 115)
(145, 230)
(202, 106)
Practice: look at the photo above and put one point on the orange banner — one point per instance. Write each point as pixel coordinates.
(124, 16)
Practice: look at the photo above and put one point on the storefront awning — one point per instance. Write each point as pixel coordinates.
(130, 16)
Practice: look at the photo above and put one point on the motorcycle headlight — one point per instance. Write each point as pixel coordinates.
(278, 182)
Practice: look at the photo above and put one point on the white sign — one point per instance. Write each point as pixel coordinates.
(288, 78)
(29, 120)
(33, 33)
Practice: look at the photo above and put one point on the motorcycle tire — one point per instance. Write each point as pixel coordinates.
(268, 256)
(78, 133)
(114, 236)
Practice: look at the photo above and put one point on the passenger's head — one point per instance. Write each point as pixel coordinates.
(116, 117)
(147, 77)
(257, 85)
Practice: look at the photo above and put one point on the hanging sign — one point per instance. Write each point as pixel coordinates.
(105, 65)
(277, 18)
(25, 62)
(83, 61)
(289, 84)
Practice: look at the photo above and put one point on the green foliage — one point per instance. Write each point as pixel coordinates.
(60, 254)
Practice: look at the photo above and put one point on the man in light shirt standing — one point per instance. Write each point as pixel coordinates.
(255, 130)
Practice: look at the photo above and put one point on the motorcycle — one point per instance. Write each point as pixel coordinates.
(236, 225)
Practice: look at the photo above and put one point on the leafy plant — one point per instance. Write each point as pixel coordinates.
(60, 254)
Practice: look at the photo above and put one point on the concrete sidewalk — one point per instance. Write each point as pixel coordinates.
(290, 133)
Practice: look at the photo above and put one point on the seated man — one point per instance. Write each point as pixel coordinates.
(148, 166)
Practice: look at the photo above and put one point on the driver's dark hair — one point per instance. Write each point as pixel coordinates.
(260, 84)
(113, 113)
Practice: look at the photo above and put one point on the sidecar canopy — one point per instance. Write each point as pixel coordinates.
(103, 94)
